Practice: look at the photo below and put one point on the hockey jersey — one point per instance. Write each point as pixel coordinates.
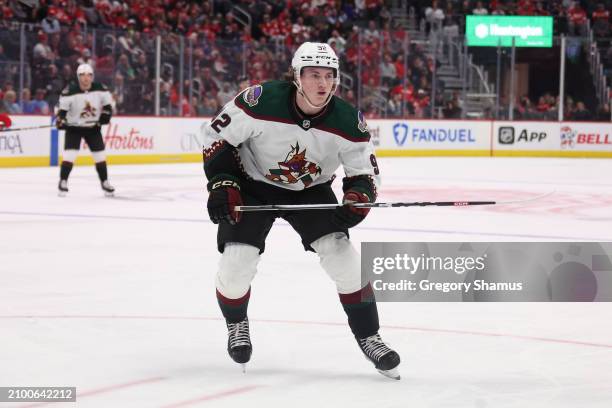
(279, 146)
(83, 108)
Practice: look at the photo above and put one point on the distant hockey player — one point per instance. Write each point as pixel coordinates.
(83, 108)
(280, 143)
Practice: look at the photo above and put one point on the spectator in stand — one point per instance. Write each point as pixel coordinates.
(601, 21)
(371, 33)
(40, 105)
(453, 107)
(434, 16)
(50, 25)
(8, 104)
(525, 8)
(86, 58)
(388, 73)
(603, 114)
(337, 43)
(525, 109)
(497, 9)
(480, 10)
(540, 10)
(53, 85)
(26, 104)
(42, 52)
(559, 14)
(577, 19)
(209, 84)
(226, 93)
(119, 92)
(451, 21)
(581, 113)
(421, 104)
(300, 32)
(124, 68)
(395, 106)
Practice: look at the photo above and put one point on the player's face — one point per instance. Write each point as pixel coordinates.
(317, 83)
(85, 80)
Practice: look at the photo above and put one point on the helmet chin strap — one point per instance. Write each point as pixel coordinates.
(298, 84)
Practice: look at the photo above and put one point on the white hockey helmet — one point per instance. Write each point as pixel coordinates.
(311, 54)
(84, 69)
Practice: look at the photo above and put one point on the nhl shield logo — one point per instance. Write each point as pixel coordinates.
(400, 133)
(306, 124)
(252, 95)
(568, 136)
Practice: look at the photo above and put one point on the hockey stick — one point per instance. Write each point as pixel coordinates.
(10, 129)
(289, 207)
(25, 128)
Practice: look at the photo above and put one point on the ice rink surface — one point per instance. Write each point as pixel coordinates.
(116, 296)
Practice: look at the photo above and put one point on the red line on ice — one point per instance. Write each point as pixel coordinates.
(103, 390)
(214, 396)
(316, 323)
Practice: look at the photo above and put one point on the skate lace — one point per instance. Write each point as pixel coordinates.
(239, 334)
(374, 347)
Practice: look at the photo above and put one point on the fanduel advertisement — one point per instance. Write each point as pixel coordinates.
(417, 135)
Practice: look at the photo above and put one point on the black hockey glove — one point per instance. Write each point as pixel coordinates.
(60, 122)
(106, 114)
(359, 189)
(223, 196)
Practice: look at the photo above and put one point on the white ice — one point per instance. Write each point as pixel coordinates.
(116, 296)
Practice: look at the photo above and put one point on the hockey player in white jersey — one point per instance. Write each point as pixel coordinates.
(83, 107)
(281, 143)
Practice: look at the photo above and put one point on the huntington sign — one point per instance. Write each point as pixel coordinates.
(491, 31)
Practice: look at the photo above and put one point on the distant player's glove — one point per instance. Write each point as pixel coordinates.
(105, 115)
(224, 195)
(60, 123)
(359, 189)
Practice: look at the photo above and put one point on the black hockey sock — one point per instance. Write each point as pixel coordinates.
(234, 310)
(360, 307)
(65, 170)
(101, 169)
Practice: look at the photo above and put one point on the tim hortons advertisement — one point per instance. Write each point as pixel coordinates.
(594, 137)
(518, 136)
(436, 137)
(27, 141)
(141, 136)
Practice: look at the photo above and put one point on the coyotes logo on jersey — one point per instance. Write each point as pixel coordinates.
(88, 111)
(295, 168)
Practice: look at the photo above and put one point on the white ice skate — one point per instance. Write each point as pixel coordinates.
(109, 191)
(385, 360)
(63, 188)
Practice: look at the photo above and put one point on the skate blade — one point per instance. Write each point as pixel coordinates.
(393, 373)
(243, 366)
(109, 194)
(62, 194)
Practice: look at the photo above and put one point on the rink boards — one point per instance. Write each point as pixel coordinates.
(138, 139)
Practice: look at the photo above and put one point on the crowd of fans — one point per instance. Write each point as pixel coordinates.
(210, 50)
(547, 108)
(570, 16)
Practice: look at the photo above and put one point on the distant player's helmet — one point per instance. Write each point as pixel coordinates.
(84, 69)
(311, 54)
